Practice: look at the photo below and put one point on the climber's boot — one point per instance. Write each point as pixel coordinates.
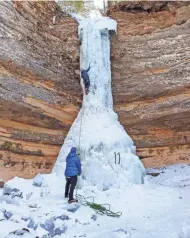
(72, 201)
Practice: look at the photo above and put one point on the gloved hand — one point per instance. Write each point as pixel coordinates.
(79, 174)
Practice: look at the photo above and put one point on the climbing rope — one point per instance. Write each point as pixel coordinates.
(101, 209)
(80, 130)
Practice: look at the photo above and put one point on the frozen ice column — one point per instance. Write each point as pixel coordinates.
(107, 152)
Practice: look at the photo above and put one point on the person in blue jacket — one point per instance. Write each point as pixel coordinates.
(73, 169)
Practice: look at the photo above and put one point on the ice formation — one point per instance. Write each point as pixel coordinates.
(106, 151)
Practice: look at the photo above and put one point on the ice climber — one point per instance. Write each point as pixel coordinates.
(86, 80)
(73, 169)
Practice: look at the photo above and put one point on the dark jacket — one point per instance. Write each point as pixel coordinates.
(73, 165)
(85, 77)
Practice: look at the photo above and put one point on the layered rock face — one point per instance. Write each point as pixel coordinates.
(39, 85)
(41, 96)
(151, 78)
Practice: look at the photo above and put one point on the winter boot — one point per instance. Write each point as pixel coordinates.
(72, 201)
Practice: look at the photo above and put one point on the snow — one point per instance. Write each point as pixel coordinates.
(96, 21)
(173, 176)
(101, 140)
(185, 232)
(148, 210)
(155, 207)
(100, 4)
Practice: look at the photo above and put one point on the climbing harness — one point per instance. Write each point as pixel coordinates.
(101, 209)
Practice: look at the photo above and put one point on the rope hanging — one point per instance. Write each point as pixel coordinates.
(81, 114)
(101, 209)
(80, 130)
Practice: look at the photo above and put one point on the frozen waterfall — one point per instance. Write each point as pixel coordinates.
(106, 151)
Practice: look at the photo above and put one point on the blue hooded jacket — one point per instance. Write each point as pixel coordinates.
(73, 165)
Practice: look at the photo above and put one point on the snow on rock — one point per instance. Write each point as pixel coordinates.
(48, 225)
(32, 224)
(94, 217)
(12, 192)
(9, 200)
(59, 230)
(7, 214)
(16, 218)
(72, 207)
(38, 180)
(102, 141)
(2, 217)
(185, 232)
(54, 227)
(62, 217)
(173, 175)
(17, 188)
(14, 212)
(25, 233)
(99, 22)
(41, 186)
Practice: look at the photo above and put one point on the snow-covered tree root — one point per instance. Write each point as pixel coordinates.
(107, 152)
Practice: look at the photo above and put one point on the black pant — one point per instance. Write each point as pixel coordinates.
(70, 186)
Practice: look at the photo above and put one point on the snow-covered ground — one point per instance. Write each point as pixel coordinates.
(160, 208)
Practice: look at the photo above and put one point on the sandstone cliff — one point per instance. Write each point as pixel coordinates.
(40, 91)
(151, 78)
(39, 85)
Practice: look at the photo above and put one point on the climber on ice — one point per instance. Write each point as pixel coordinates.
(86, 80)
(73, 169)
